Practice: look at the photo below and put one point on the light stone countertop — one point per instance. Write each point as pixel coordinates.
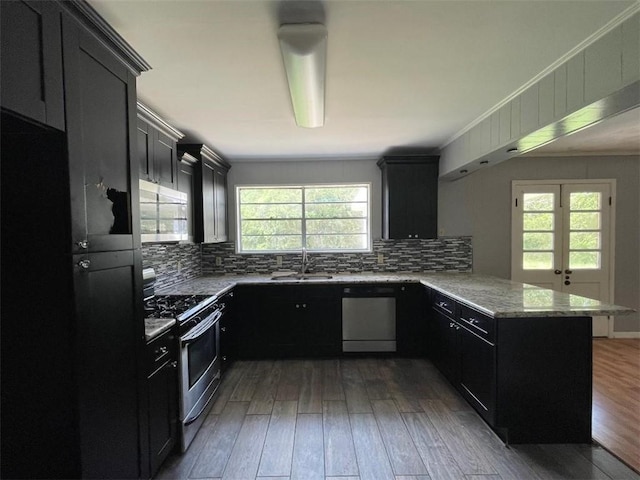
(155, 326)
(494, 296)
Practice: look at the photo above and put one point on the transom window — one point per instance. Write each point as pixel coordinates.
(316, 217)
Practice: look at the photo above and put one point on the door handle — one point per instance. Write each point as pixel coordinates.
(567, 271)
(557, 272)
(567, 282)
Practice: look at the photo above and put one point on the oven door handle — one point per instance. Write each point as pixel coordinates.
(190, 420)
(200, 329)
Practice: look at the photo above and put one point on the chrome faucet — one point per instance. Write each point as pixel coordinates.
(305, 261)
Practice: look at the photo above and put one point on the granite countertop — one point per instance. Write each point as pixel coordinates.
(155, 326)
(494, 296)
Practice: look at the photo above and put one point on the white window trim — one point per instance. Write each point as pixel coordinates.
(369, 248)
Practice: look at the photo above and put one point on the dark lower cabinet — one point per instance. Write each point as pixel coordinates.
(228, 332)
(477, 372)
(289, 321)
(411, 322)
(162, 399)
(529, 378)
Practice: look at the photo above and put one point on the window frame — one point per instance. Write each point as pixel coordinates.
(238, 240)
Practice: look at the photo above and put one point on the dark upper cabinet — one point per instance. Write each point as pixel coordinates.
(210, 193)
(409, 196)
(32, 61)
(157, 153)
(187, 185)
(100, 96)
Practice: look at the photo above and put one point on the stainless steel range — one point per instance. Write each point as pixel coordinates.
(198, 318)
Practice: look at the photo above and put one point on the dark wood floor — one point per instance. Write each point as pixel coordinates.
(371, 418)
(616, 397)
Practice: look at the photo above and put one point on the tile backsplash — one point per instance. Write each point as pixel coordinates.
(172, 262)
(175, 263)
(420, 255)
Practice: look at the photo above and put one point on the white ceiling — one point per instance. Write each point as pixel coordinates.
(399, 73)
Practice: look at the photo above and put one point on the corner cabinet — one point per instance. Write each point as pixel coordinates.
(210, 193)
(409, 196)
(70, 237)
(157, 152)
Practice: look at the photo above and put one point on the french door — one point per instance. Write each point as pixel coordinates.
(561, 239)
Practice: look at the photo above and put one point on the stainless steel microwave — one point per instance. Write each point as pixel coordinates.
(163, 213)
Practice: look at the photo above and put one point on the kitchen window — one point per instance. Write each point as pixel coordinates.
(317, 217)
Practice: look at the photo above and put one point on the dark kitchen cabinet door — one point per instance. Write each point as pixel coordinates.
(186, 184)
(228, 332)
(101, 103)
(108, 345)
(411, 322)
(32, 61)
(444, 345)
(478, 373)
(409, 196)
(162, 397)
(289, 321)
(210, 193)
(157, 151)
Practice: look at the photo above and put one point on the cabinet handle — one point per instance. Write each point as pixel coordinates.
(304, 305)
(568, 272)
(472, 320)
(83, 244)
(409, 236)
(297, 306)
(162, 350)
(557, 272)
(174, 364)
(84, 264)
(567, 282)
(224, 358)
(443, 305)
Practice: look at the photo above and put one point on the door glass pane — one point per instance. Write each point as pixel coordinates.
(585, 200)
(584, 240)
(537, 221)
(538, 202)
(584, 221)
(584, 260)
(537, 241)
(537, 260)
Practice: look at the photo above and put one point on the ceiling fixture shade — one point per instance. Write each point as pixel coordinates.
(304, 51)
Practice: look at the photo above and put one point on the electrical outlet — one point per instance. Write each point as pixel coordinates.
(218, 261)
(278, 260)
(380, 259)
(441, 231)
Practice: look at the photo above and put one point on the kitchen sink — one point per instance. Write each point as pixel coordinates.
(299, 276)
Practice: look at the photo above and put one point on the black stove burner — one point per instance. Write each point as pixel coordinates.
(174, 306)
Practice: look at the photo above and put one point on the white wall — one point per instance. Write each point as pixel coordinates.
(480, 205)
(306, 172)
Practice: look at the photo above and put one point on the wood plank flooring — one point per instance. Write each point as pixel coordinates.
(363, 419)
(616, 397)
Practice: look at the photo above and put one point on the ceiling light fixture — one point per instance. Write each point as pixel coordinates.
(304, 51)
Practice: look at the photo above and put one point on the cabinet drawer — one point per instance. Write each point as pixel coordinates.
(445, 304)
(478, 323)
(160, 350)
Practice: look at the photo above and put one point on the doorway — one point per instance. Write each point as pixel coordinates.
(562, 239)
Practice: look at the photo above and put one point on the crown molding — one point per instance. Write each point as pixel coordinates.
(153, 119)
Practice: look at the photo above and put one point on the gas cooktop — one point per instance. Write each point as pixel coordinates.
(179, 307)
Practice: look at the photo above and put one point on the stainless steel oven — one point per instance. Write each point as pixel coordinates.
(200, 368)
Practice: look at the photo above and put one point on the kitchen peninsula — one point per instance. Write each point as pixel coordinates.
(519, 354)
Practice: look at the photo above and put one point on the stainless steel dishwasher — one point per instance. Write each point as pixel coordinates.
(369, 319)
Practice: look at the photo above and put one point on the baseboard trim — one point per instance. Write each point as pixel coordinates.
(626, 335)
